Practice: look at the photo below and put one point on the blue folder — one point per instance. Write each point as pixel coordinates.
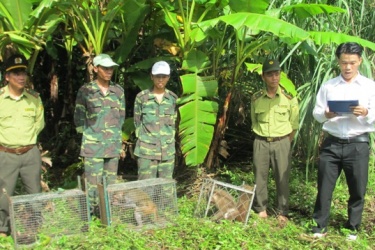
(341, 106)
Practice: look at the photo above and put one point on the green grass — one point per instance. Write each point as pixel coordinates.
(189, 232)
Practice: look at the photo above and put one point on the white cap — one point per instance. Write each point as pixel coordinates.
(161, 68)
(104, 60)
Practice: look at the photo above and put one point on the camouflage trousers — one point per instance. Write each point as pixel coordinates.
(95, 169)
(148, 169)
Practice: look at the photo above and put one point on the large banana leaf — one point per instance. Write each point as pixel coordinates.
(253, 21)
(333, 37)
(198, 116)
(303, 11)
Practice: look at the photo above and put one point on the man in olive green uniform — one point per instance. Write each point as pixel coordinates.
(274, 116)
(99, 115)
(154, 118)
(21, 120)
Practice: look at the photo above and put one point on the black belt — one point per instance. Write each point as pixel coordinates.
(270, 139)
(359, 138)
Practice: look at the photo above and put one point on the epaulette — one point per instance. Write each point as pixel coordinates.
(119, 86)
(32, 92)
(288, 95)
(172, 94)
(256, 95)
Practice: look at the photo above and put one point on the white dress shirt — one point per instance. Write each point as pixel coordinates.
(346, 125)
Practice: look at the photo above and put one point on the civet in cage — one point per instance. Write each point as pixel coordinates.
(51, 214)
(139, 204)
(224, 201)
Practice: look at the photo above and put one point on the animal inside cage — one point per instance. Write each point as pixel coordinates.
(50, 214)
(219, 200)
(138, 204)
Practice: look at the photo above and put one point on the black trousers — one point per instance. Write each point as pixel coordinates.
(353, 159)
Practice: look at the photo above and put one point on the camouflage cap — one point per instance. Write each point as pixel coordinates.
(16, 61)
(271, 65)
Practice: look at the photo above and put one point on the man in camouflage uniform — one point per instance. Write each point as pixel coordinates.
(21, 121)
(99, 115)
(154, 118)
(274, 117)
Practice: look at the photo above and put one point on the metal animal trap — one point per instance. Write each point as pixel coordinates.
(146, 203)
(51, 214)
(219, 200)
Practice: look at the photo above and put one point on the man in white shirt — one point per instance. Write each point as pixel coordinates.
(346, 146)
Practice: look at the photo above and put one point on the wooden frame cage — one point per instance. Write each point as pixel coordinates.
(139, 204)
(51, 214)
(218, 200)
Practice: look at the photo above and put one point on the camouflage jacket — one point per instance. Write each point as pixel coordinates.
(100, 118)
(155, 125)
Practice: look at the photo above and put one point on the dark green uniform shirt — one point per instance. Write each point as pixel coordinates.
(155, 125)
(20, 120)
(274, 117)
(100, 118)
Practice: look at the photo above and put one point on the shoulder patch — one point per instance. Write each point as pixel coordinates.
(256, 95)
(288, 95)
(32, 92)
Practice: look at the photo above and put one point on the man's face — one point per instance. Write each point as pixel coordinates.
(104, 73)
(16, 78)
(160, 81)
(272, 78)
(349, 64)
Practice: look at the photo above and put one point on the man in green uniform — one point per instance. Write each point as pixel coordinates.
(154, 118)
(21, 120)
(99, 115)
(274, 117)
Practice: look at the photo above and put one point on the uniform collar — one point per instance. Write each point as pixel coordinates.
(7, 94)
(278, 91)
(166, 93)
(357, 79)
(95, 86)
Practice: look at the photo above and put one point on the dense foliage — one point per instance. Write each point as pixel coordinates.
(215, 48)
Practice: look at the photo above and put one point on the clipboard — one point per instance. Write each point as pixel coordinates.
(341, 106)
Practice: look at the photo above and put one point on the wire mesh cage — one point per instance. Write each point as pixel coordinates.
(140, 204)
(219, 201)
(51, 214)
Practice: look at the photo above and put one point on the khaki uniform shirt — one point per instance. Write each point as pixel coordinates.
(274, 117)
(20, 120)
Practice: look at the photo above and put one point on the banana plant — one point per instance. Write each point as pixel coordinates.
(25, 28)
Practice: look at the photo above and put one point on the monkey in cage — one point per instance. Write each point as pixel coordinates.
(243, 203)
(225, 204)
(141, 203)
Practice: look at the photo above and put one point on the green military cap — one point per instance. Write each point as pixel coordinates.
(16, 61)
(271, 65)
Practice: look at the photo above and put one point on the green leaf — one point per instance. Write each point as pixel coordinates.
(128, 128)
(304, 11)
(255, 6)
(195, 61)
(19, 11)
(198, 117)
(256, 22)
(333, 37)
